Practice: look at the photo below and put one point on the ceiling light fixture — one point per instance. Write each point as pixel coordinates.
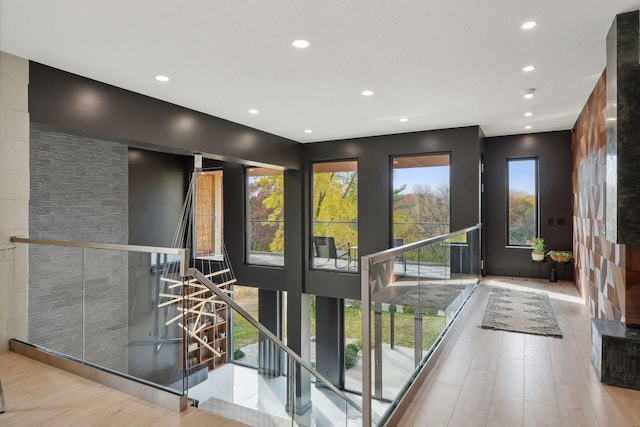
(528, 94)
(527, 127)
(404, 119)
(528, 114)
(366, 92)
(308, 131)
(301, 44)
(529, 68)
(162, 78)
(253, 111)
(529, 25)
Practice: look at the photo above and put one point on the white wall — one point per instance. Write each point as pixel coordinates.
(14, 195)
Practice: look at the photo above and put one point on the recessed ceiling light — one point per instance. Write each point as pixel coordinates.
(529, 68)
(308, 131)
(528, 114)
(301, 44)
(527, 127)
(404, 119)
(253, 111)
(528, 94)
(529, 25)
(162, 78)
(366, 92)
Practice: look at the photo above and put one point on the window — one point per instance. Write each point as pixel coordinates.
(208, 227)
(420, 198)
(245, 336)
(335, 215)
(265, 219)
(522, 209)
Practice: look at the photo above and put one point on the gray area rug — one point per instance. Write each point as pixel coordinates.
(517, 311)
(430, 296)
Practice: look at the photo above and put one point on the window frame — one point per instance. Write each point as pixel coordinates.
(311, 233)
(507, 224)
(218, 215)
(392, 168)
(247, 217)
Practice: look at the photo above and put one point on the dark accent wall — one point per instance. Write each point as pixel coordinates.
(553, 151)
(67, 101)
(157, 189)
(623, 129)
(374, 191)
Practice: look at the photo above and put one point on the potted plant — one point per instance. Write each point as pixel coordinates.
(561, 256)
(538, 249)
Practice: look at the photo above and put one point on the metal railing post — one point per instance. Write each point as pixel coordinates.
(2, 404)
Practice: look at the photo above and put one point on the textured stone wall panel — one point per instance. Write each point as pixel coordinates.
(79, 191)
(600, 275)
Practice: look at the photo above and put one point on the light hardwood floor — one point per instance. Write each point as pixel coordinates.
(486, 378)
(40, 395)
(495, 378)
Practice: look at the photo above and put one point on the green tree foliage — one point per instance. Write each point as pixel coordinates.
(335, 206)
(266, 207)
(522, 217)
(421, 214)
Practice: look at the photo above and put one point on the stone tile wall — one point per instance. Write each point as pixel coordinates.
(607, 274)
(14, 195)
(78, 298)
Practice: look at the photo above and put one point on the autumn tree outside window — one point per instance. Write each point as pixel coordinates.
(265, 216)
(522, 206)
(335, 204)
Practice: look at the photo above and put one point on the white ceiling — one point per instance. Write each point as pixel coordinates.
(439, 63)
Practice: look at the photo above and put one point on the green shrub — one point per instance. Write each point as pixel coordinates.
(407, 309)
(238, 354)
(351, 354)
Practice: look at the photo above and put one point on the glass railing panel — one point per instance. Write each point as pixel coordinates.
(55, 298)
(278, 390)
(104, 307)
(266, 242)
(415, 293)
(335, 245)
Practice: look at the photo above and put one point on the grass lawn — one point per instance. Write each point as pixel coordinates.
(432, 326)
(246, 334)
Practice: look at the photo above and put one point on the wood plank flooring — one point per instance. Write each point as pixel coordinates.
(486, 378)
(40, 395)
(497, 378)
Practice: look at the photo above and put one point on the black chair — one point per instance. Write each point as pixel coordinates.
(402, 258)
(326, 248)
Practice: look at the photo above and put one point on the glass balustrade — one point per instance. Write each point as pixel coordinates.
(102, 306)
(281, 389)
(413, 293)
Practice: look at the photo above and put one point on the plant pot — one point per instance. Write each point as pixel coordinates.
(537, 256)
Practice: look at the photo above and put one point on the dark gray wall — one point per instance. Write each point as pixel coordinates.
(553, 151)
(67, 101)
(374, 191)
(330, 339)
(157, 189)
(79, 192)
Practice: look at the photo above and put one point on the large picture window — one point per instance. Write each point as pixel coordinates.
(335, 215)
(265, 218)
(522, 203)
(421, 198)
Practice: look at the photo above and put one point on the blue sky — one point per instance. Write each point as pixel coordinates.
(432, 175)
(521, 176)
